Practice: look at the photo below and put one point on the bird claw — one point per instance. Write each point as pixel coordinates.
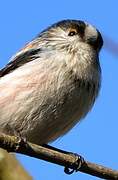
(76, 165)
(22, 141)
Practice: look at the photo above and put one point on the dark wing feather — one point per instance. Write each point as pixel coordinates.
(19, 60)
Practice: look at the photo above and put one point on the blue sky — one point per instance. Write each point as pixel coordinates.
(95, 138)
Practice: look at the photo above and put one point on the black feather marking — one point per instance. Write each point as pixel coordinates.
(65, 24)
(89, 86)
(19, 60)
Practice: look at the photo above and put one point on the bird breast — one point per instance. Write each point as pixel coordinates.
(43, 99)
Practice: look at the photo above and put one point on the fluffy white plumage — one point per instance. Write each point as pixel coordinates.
(52, 83)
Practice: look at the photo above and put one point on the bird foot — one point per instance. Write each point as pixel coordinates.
(22, 141)
(76, 165)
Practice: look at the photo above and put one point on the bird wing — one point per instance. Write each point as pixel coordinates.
(22, 57)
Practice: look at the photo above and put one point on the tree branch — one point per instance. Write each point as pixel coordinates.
(53, 155)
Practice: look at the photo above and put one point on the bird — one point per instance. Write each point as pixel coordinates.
(52, 83)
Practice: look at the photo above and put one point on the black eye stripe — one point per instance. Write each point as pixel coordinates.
(78, 25)
(81, 28)
(77, 29)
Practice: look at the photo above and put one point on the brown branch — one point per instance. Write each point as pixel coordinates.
(53, 155)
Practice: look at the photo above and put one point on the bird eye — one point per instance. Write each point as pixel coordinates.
(72, 33)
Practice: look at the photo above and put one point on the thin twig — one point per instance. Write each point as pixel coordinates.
(53, 155)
